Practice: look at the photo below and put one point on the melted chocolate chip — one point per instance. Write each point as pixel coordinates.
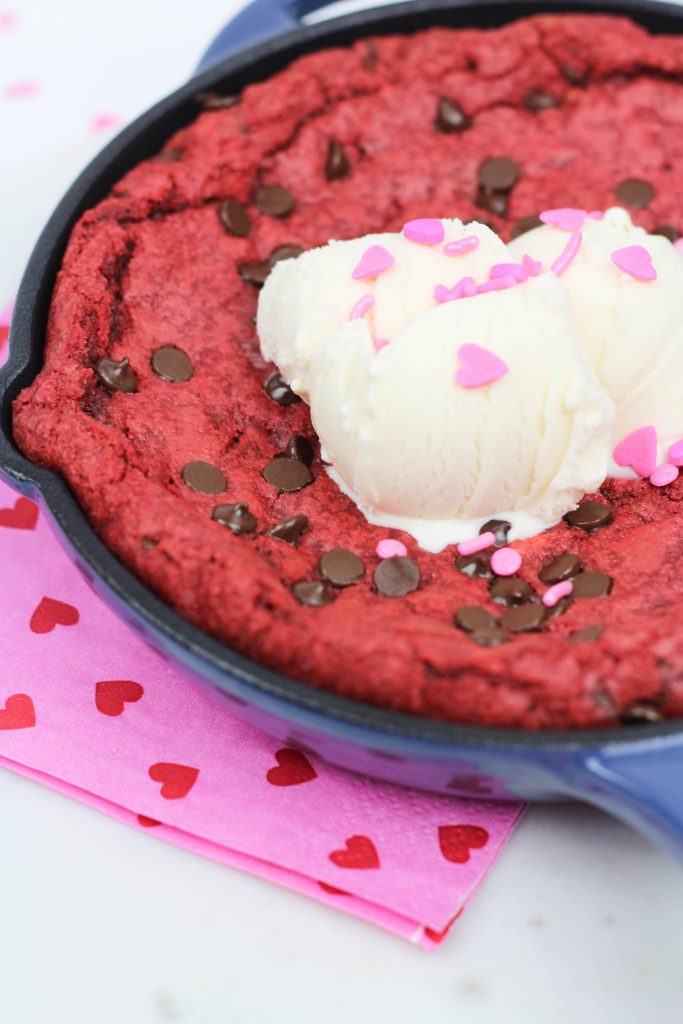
(279, 390)
(588, 635)
(341, 568)
(284, 252)
(635, 193)
(236, 517)
(397, 576)
(476, 567)
(524, 618)
(299, 447)
(592, 584)
(673, 234)
(287, 475)
(640, 713)
(275, 201)
(490, 637)
(561, 568)
(313, 593)
(525, 224)
(204, 478)
(499, 528)
(511, 590)
(450, 117)
(254, 272)
(589, 516)
(172, 364)
(472, 618)
(116, 375)
(212, 101)
(574, 75)
(337, 163)
(538, 100)
(234, 218)
(289, 530)
(499, 174)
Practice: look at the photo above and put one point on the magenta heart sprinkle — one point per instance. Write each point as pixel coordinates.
(372, 263)
(566, 218)
(479, 367)
(636, 261)
(676, 454)
(426, 231)
(663, 475)
(638, 450)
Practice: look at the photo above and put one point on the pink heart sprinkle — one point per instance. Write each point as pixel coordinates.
(379, 343)
(461, 246)
(505, 561)
(638, 450)
(471, 547)
(568, 253)
(554, 594)
(676, 454)
(373, 262)
(663, 475)
(391, 549)
(636, 261)
(479, 366)
(425, 231)
(566, 218)
(363, 306)
(515, 270)
(532, 267)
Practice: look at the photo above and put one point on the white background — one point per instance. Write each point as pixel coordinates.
(581, 921)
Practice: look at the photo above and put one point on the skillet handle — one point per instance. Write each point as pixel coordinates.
(259, 21)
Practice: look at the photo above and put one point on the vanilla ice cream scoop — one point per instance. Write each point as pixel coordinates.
(441, 398)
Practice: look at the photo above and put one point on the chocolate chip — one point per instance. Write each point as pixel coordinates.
(524, 618)
(337, 163)
(588, 635)
(472, 618)
(313, 593)
(279, 390)
(561, 568)
(635, 193)
(284, 252)
(574, 75)
(341, 568)
(275, 201)
(254, 272)
(511, 590)
(525, 224)
(212, 101)
(499, 174)
(397, 576)
(116, 375)
(589, 516)
(592, 584)
(538, 100)
(673, 234)
(236, 517)
(289, 530)
(287, 475)
(234, 218)
(172, 364)
(450, 117)
(490, 637)
(204, 478)
(476, 567)
(495, 202)
(299, 447)
(499, 528)
(640, 713)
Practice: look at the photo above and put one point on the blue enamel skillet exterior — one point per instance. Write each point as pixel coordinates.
(635, 773)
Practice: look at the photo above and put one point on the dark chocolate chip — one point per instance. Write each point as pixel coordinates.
(592, 584)
(450, 117)
(574, 75)
(673, 234)
(279, 390)
(172, 364)
(499, 174)
(341, 568)
(116, 375)
(589, 516)
(284, 252)
(236, 517)
(538, 100)
(234, 218)
(588, 635)
(287, 475)
(212, 101)
(337, 163)
(524, 618)
(489, 637)
(313, 593)
(525, 224)
(499, 528)
(561, 568)
(289, 530)
(275, 201)
(204, 478)
(299, 447)
(511, 590)
(254, 272)
(397, 576)
(476, 567)
(640, 713)
(472, 618)
(495, 202)
(635, 193)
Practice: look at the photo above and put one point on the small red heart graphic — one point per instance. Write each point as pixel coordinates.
(360, 852)
(112, 694)
(23, 516)
(147, 822)
(51, 613)
(19, 713)
(177, 779)
(440, 936)
(332, 889)
(456, 841)
(294, 768)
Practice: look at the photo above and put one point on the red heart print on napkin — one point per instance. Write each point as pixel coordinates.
(147, 822)
(177, 779)
(19, 712)
(23, 516)
(360, 852)
(111, 695)
(51, 613)
(293, 768)
(457, 841)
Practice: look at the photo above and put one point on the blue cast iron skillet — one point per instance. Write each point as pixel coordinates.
(636, 773)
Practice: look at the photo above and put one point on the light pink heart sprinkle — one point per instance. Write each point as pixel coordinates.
(462, 245)
(505, 561)
(568, 253)
(663, 475)
(566, 218)
(480, 543)
(426, 231)
(532, 267)
(379, 343)
(388, 548)
(676, 454)
(363, 306)
(463, 289)
(515, 270)
(373, 262)
(498, 284)
(638, 450)
(636, 261)
(479, 367)
(554, 594)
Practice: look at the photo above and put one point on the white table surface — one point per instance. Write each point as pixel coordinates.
(581, 921)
